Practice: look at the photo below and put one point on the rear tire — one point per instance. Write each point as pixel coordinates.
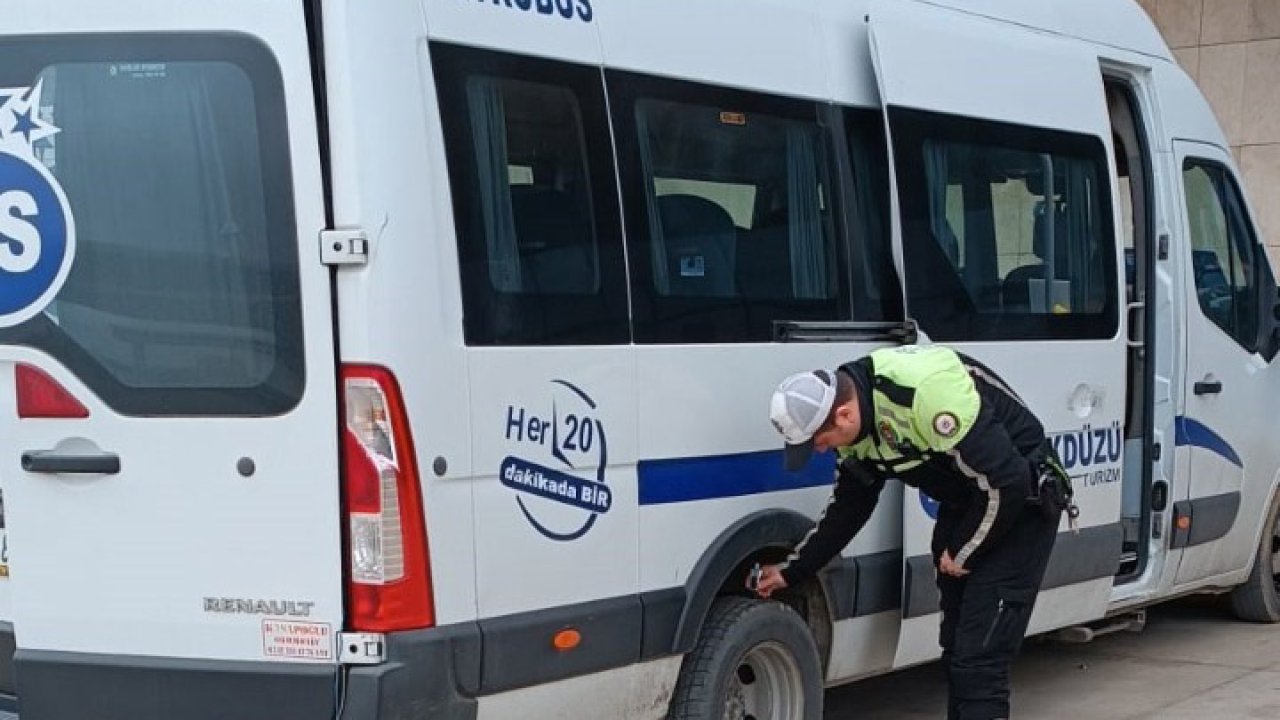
(754, 660)
(1258, 599)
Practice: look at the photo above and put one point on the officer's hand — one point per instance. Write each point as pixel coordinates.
(771, 581)
(947, 566)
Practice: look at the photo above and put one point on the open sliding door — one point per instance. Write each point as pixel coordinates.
(1003, 168)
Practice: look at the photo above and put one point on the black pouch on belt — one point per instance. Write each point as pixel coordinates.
(1052, 492)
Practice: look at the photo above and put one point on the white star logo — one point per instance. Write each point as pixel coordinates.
(20, 123)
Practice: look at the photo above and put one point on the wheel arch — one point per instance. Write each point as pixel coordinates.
(764, 536)
(1271, 498)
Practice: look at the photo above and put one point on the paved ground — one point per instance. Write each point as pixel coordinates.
(1193, 661)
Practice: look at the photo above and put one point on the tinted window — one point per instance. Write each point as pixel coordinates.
(877, 294)
(532, 179)
(730, 212)
(1222, 250)
(173, 154)
(1007, 231)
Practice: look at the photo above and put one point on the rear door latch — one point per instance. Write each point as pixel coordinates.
(362, 648)
(344, 247)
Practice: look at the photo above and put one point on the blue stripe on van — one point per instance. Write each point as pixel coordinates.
(722, 476)
(1196, 434)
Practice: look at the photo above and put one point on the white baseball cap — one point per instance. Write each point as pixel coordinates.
(798, 410)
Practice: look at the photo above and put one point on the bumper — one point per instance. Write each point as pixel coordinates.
(428, 673)
(73, 686)
(8, 703)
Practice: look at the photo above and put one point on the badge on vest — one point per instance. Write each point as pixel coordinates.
(888, 434)
(946, 424)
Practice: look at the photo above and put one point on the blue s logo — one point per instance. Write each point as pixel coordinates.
(37, 231)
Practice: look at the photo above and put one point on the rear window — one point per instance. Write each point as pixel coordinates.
(172, 153)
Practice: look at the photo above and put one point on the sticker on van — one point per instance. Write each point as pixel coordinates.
(297, 640)
(558, 503)
(37, 231)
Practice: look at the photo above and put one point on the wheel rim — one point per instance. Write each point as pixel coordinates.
(767, 685)
(1275, 554)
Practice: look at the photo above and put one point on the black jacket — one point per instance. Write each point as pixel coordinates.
(982, 485)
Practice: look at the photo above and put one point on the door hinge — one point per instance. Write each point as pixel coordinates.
(362, 648)
(344, 247)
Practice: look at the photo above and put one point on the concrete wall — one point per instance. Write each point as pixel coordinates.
(1232, 49)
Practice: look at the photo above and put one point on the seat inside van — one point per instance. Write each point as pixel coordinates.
(1015, 291)
(701, 246)
(764, 259)
(555, 242)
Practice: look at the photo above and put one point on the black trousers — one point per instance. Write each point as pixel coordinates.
(985, 614)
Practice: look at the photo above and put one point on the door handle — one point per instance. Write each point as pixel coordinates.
(1207, 387)
(1132, 310)
(59, 463)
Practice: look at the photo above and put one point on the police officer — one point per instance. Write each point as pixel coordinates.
(941, 422)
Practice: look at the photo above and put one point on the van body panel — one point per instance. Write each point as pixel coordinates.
(636, 692)
(1121, 24)
(1185, 114)
(541, 29)
(957, 64)
(700, 446)
(215, 528)
(1228, 388)
(762, 44)
(401, 310)
(850, 74)
(966, 70)
(560, 417)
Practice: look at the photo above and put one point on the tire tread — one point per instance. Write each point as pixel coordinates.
(689, 700)
(695, 689)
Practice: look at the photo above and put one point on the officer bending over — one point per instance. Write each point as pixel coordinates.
(941, 422)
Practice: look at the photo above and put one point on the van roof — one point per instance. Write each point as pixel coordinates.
(813, 50)
(1118, 23)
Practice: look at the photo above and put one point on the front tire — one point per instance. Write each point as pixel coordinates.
(754, 660)
(1258, 599)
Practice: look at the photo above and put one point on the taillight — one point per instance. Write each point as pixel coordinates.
(389, 575)
(40, 396)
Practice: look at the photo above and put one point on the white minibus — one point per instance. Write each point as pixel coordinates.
(411, 358)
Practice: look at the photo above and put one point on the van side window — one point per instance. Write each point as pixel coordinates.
(877, 294)
(729, 212)
(184, 295)
(530, 164)
(1222, 250)
(1007, 231)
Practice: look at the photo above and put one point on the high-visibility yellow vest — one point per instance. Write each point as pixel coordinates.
(924, 402)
